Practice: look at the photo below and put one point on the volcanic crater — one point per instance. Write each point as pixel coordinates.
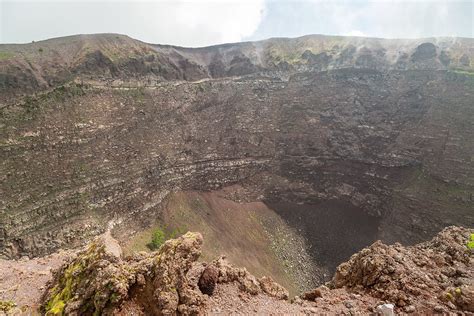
(288, 155)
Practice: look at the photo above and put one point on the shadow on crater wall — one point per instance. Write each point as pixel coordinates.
(334, 229)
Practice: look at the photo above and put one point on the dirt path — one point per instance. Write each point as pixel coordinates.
(228, 299)
(22, 281)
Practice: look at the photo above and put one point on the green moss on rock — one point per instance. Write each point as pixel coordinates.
(6, 306)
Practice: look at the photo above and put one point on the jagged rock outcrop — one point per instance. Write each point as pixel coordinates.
(434, 276)
(225, 273)
(99, 281)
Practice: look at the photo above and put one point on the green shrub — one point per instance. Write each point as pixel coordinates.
(470, 243)
(160, 235)
(157, 239)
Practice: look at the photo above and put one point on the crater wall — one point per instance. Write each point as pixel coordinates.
(396, 144)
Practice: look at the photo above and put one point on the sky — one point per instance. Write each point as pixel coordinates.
(196, 23)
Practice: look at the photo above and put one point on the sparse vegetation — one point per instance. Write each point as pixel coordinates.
(33, 104)
(74, 277)
(159, 236)
(63, 293)
(6, 306)
(464, 72)
(470, 243)
(467, 76)
(6, 55)
(157, 239)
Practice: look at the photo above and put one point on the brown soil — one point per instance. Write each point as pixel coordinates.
(249, 234)
(228, 299)
(23, 281)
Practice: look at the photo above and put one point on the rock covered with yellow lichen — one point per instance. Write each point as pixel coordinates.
(99, 281)
(167, 282)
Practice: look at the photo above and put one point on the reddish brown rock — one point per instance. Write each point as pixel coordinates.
(209, 279)
(273, 289)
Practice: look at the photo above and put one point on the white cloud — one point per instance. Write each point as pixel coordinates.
(208, 22)
(408, 19)
(390, 18)
(225, 21)
(179, 22)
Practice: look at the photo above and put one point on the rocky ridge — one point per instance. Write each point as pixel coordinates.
(45, 64)
(169, 281)
(432, 277)
(437, 275)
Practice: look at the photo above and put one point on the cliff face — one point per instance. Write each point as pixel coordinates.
(99, 129)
